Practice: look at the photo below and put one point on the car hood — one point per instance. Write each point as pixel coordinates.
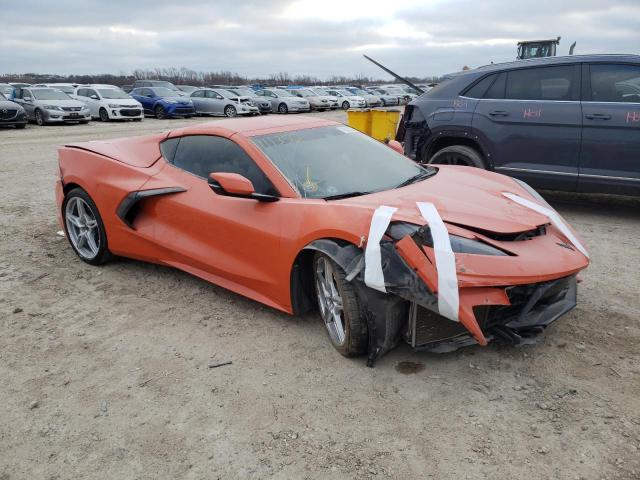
(355, 98)
(62, 103)
(183, 100)
(7, 105)
(464, 196)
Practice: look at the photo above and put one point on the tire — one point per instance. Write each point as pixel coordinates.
(84, 122)
(282, 108)
(458, 155)
(345, 105)
(20, 125)
(384, 104)
(40, 118)
(230, 111)
(160, 112)
(349, 334)
(137, 119)
(104, 116)
(78, 223)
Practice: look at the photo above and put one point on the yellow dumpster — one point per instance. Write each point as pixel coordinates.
(384, 124)
(360, 120)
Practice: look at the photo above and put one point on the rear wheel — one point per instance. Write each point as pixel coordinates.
(458, 155)
(282, 108)
(160, 112)
(104, 116)
(230, 111)
(339, 309)
(84, 228)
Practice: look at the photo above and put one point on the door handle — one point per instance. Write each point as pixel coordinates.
(498, 113)
(598, 116)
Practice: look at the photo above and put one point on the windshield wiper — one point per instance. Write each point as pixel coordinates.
(416, 178)
(345, 195)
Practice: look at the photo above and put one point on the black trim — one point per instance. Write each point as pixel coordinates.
(128, 208)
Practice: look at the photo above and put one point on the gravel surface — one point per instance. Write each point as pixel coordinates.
(107, 372)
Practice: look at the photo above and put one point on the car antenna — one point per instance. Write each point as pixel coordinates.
(398, 77)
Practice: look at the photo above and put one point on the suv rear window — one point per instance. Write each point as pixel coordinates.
(479, 89)
(615, 83)
(541, 83)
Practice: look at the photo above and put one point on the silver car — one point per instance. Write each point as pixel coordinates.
(68, 88)
(210, 101)
(263, 104)
(371, 99)
(51, 105)
(333, 100)
(317, 102)
(283, 101)
(347, 100)
(386, 99)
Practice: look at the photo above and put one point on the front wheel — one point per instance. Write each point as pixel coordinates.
(40, 118)
(104, 116)
(84, 228)
(160, 112)
(345, 105)
(230, 111)
(458, 155)
(339, 309)
(282, 108)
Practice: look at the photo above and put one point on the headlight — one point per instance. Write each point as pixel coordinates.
(114, 105)
(170, 101)
(51, 107)
(398, 230)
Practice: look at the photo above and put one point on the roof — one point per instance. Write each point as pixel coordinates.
(625, 58)
(254, 125)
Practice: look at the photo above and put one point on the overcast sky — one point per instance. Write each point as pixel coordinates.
(315, 37)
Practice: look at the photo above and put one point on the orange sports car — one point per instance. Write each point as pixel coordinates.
(305, 213)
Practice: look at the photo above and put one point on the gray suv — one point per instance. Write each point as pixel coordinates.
(560, 123)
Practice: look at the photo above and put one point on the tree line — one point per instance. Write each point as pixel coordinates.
(185, 76)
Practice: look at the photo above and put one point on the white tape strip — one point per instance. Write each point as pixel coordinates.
(448, 296)
(373, 276)
(552, 215)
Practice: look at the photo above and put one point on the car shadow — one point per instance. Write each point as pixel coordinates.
(602, 205)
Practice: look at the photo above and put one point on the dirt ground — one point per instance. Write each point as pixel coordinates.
(104, 372)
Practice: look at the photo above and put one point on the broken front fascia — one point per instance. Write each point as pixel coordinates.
(410, 276)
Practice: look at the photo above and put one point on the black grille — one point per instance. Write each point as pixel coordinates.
(6, 114)
(184, 111)
(130, 112)
(430, 327)
(71, 109)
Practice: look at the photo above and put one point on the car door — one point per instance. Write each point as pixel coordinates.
(609, 160)
(93, 103)
(530, 121)
(216, 102)
(28, 102)
(199, 102)
(234, 239)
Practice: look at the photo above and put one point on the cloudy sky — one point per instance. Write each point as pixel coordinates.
(315, 37)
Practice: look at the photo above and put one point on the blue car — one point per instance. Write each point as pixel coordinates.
(163, 103)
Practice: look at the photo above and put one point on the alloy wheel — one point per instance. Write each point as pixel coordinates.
(329, 301)
(82, 228)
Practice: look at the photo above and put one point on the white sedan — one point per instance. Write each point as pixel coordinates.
(108, 102)
(347, 100)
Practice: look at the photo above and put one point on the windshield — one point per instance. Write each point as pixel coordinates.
(2, 97)
(168, 85)
(110, 93)
(303, 92)
(164, 92)
(320, 91)
(187, 88)
(50, 94)
(283, 93)
(346, 93)
(246, 92)
(226, 93)
(6, 89)
(336, 160)
(64, 88)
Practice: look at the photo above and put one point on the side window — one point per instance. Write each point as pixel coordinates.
(204, 154)
(91, 92)
(168, 148)
(496, 91)
(198, 94)
(81, 92)
(542, 83)
(479, 89)
(615, 83)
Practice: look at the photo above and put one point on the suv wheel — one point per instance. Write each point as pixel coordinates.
(160, 112)
(458, 155)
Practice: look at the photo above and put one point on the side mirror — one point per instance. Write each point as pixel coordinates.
(395, 145)
(235, 185)
(95, 97)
